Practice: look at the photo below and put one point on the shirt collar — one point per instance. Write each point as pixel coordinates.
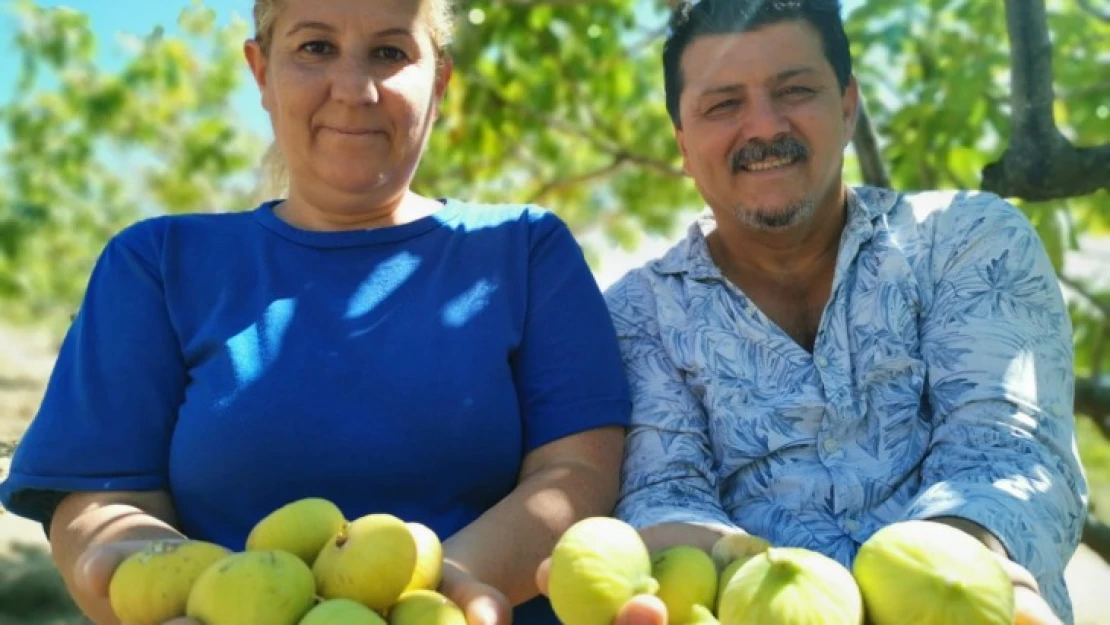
(866, 206)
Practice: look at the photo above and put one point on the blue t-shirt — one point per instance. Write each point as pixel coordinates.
(241, 363)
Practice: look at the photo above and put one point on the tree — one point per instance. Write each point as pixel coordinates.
(90, 150)
(560, 102)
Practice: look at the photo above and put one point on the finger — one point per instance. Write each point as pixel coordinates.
(1031, 609)
(484, 605)
(95, 567)
(542, 574)
(1020, 577)
(643, 610)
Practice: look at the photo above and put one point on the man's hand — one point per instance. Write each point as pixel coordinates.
(640, 610)
(1030, 608)
(481, 603)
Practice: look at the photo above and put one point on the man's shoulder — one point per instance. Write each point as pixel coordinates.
(953, 208)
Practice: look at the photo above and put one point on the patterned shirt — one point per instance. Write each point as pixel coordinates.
(940, 384)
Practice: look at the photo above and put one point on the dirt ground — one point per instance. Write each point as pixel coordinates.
(31, 592)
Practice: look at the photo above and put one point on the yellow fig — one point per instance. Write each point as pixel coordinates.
(370, 561)
(253, 588)
(152, 586)
(928, 573)
(341, 612)
(727, 574)
(701, 615)
(300, 528)
(425, 607)
(597, 565)
(791, 586)
(429, 558)
(687, 577)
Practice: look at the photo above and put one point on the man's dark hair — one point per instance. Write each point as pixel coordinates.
(691, 20)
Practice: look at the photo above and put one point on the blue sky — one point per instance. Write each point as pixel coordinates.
(112, 17)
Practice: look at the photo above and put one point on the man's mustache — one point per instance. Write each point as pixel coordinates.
(787, 148)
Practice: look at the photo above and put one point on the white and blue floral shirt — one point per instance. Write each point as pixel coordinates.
(940, 384)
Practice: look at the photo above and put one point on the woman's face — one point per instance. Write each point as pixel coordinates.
(352, 91)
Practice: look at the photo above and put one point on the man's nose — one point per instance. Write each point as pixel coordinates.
(764, 119)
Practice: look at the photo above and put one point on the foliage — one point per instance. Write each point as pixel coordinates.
(90, 150)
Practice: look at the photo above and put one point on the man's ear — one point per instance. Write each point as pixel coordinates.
(680, 138)
(849, 105)
(257, 61)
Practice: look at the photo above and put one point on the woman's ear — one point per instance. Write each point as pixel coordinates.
(257, 61)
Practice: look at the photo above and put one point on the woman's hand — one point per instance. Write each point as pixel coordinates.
(481, 603)
(95, 567)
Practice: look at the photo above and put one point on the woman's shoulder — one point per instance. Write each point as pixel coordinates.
(475, 214)
(151, 233)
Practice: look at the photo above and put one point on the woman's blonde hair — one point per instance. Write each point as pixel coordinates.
(441, 24)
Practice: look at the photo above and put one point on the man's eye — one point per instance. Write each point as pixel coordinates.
(797, 91)
(723, 106)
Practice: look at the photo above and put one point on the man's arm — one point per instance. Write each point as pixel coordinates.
(668, 480)
(997, 344)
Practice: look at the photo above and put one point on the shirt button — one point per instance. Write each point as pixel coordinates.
(822, 361)
(832, 445)
(851, 525)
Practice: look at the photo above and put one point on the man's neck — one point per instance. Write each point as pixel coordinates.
(784, 255)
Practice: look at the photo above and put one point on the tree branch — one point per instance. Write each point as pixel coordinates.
(1040, 163)
(598, 143)
(1086, 294)
(1097, 536)
(867, 150)
(1093, 11)
(571, 181)
(1093, 400)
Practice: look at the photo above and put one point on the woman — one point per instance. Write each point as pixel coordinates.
(448, 363)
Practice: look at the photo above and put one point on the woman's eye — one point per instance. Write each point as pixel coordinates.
(317, 47)
(390, 53)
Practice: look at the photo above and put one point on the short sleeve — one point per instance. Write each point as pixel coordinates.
(111, 402)
(567, 368)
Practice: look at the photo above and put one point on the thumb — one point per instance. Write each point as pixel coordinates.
(1031, 609)
(481, 603)
(542, 574)
(643, 610)
(94, 568)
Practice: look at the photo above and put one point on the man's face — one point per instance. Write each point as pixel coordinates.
(764, 123)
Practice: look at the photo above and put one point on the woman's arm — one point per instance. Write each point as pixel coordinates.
(91, 533)
(561, 482)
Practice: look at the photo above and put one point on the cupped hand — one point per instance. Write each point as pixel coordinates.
(481, 603)
(1030, 608)
(640, 610)
(95, 567)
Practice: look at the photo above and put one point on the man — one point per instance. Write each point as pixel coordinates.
(814, 362)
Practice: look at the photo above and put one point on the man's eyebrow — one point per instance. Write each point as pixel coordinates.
(720, 90)
(794, 72)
